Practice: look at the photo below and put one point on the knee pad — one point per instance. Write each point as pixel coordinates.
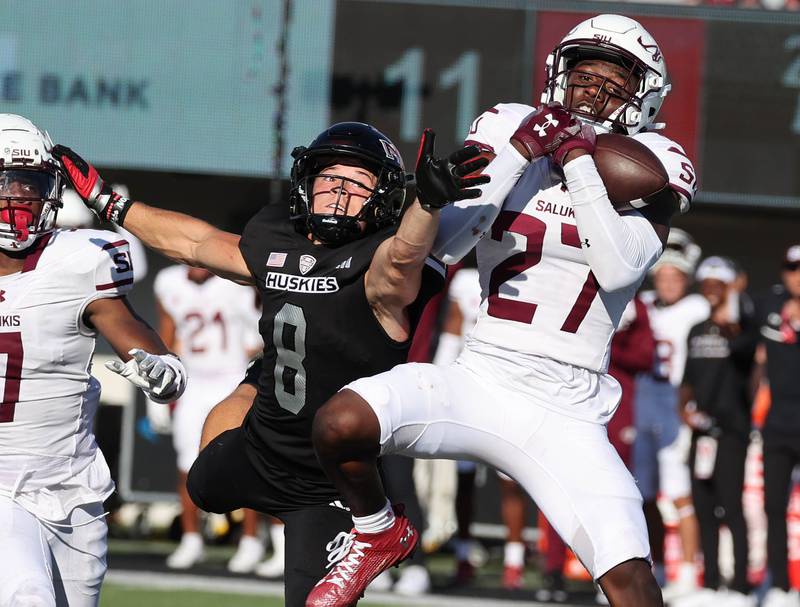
(33, 593)
(194, 483)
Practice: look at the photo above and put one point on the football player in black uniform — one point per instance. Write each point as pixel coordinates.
(342, 280)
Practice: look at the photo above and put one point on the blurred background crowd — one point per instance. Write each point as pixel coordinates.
(197, 110)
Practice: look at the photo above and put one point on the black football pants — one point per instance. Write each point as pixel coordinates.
(222, 479)
(718, 500)
(781, 455)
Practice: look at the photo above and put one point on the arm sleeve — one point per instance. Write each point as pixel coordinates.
(464, 223)
(253, 371)
(620, 248)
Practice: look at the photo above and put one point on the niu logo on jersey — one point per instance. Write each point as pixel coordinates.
(651, 48)
(306, 263)
(541, 129)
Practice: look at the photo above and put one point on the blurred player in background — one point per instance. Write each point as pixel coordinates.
(342, 280)
(661, 447)
(778, 314)
(59, 289)
(213, 324)
(530, 394)
(715, 397)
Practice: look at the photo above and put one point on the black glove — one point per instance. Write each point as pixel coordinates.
(441, 181)
(95, 193)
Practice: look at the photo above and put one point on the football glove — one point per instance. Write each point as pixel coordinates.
(161, 377)
(441, 181)
(95, 193)
(552, 130)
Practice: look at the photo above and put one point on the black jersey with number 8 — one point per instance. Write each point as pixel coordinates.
(319, 333)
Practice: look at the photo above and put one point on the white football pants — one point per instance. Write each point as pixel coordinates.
(46, 566)
(566, 465)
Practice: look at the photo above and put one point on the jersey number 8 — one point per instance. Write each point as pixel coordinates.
(289, 337)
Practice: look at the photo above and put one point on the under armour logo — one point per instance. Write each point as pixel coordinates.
(2, 295)
(541, 129)
(585, 243)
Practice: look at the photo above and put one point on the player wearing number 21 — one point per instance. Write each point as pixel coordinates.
(557, 263)
(58, 289)
(342, 281)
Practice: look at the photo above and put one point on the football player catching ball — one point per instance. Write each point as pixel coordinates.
(558, 264)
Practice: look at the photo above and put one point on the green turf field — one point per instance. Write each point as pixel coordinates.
(124, 596)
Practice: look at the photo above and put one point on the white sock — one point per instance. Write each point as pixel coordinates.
(375, 523)
(249, 540)
(192, 539)
(277, 538)
(514, 554)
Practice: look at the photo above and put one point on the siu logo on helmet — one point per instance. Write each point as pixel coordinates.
(651, 48)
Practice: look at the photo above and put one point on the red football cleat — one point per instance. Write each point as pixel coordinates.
(512, 577)
(363, 557)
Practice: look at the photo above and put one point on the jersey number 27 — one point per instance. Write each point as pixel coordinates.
(533, 229)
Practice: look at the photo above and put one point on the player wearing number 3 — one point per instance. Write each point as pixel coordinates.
(530, 394)
(58, 290)
(342, 282)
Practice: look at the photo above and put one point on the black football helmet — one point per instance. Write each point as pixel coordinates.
(363, 145)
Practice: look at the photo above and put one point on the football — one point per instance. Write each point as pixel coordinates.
(629, 169)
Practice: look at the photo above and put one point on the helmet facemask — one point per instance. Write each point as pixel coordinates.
(334, 223)
(29, 203)
(625, 43)
(381, 194)
(627, 117)
(608, 89)
(30, 183)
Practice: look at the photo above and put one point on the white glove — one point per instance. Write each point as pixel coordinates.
(162, 378)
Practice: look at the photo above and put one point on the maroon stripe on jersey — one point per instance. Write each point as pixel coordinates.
(678, 151)
(680, 190)
(582, 305)
(113, 285)
(11, 344)
(569, 235)
(32, 259)
(114, 245)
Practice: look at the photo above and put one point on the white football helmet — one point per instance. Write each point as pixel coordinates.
(625, 42)
(681, 251)
(29, 174)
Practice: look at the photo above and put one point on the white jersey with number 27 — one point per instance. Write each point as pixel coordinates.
(539, 294)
